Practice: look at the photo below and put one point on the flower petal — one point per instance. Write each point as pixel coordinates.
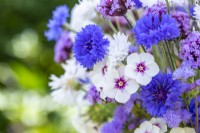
(109, 91)
(143, 79)
(133, 59)
(152, 69)
(132, 86)
(130, 72)
(122, 96)
(146, 57)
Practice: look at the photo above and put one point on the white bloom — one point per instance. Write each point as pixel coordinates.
(118, 86)
(182, 130)
(160, 123)
(150, 3)
(197, 12)
(147, 127)
(63, 91)
(141, 67)
(98, 76)
(83, 14)
(118, 49)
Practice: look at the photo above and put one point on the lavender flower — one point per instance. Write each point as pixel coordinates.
(62, 48)
(190, 50)
(59, 18)
(114, 7)
(157, 9)
(172, 118)
(183, 20)
(183, 72)
(112, 127)
(93, 95)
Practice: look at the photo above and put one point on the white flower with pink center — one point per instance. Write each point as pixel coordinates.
(147, 127)
(97, 76)
(141, 67)
(119, 86)
(160, 123)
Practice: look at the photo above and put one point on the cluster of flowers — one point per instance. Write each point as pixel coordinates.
(141, 56)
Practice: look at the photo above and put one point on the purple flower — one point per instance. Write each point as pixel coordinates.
(157, 9)
(112, 127)
(137, 3)
(93, 95)
(114, 7)
(62, 48)
(190, 50)
(151, 29)
(59, 18)
(161, 94)
(173, 118)
(183, 72)
(192, 108)
(198, 82)
(183, 20)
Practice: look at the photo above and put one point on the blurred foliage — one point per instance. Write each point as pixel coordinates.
(26, 62)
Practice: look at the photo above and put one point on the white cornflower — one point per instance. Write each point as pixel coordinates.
(63, 90)
(118, 49)
(197, 12)
(141, 67)
(160, 123)
(83, 14)
(182, 130)
(147, 127)
(98, 76)
(118, 86)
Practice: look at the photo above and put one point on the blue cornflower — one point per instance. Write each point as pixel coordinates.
(90, 47)
(192, 109)
(161, 94)
(151, 29)
(59, 18)
(138, 4)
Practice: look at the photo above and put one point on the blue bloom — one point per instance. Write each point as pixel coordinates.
(192, 109)
(90, 47)
(151, 29)
(161, 94)
(59, 18)
(112, 127)
(138, 4)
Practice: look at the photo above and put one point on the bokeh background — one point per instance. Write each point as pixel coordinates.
(26, 62)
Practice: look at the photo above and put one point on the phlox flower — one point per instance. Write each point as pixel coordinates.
(119, 86)
(182, 130)
(147, 127)
(141, 67)
(160, 123)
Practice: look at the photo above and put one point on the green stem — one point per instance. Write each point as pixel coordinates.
(117, 23)
(112, 26)
(170, 56)
(67, 27)
(144, 49)
(168, 6)
(130, 25)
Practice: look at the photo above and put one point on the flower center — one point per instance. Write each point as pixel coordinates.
(141, 67)
(104, 70)
(160, 95)
(120, 83)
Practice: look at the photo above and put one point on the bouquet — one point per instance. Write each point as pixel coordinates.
(130, 66)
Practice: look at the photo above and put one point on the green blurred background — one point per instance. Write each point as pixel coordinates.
(26, 62)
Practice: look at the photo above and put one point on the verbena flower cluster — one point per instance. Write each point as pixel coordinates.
(130, 66)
